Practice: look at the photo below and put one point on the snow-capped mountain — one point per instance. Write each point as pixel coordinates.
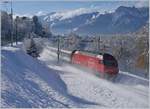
(65, 22)
(88, 22)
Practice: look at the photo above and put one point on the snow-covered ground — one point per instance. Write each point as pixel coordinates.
(28, 82)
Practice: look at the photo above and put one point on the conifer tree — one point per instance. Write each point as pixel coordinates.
(33, 50)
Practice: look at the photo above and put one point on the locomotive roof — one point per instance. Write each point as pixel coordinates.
(102, 56)
(95, 53)
(91, 53)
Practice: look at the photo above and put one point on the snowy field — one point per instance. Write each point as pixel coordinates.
(28, 82)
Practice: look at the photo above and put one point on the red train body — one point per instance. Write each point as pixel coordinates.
(101, 63)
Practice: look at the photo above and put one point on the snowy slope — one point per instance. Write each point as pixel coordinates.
(128, 90)
(28, 82)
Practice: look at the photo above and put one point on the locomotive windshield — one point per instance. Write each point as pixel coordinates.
(109, 60)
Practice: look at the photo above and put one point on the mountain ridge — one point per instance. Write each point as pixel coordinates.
(122, 20)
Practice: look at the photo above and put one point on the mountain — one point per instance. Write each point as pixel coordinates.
(85, 22)
(66, 22)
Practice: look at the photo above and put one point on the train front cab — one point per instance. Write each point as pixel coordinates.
(110, 65)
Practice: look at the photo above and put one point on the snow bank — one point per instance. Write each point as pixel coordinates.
(128, 91)
(28, 82)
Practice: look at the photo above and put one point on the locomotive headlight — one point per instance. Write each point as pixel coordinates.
(100, 57)
(76, 52)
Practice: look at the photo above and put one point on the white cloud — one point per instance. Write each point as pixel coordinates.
(95, 7)
(92, 6)
(70, 13)
(76, 12)
(141, 3)
(40, 13)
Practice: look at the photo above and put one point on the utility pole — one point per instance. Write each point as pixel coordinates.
(11, 24)
(11, 17)
(104, 48)
(99, 43)
(16, 29)
(58, 50)
(99, 39)
(5, 6)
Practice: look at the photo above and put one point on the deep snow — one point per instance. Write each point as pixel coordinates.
(28, 82)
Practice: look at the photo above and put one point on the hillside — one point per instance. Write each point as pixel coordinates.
(28, 82)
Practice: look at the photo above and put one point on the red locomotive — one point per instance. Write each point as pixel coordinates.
(105, 65)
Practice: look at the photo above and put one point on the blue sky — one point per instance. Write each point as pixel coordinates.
(33, 7)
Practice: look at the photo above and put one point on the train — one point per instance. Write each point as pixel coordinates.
(103, 64)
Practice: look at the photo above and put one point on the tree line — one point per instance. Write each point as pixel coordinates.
(21, 27)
